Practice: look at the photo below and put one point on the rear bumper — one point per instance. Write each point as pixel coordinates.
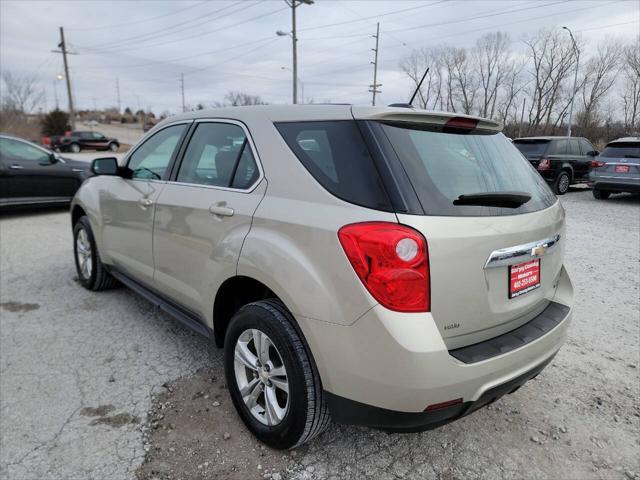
(615, 184)
(351, 412)
(386, 368)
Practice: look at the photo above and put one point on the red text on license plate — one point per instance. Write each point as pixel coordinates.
(524, 277)
(622, 168)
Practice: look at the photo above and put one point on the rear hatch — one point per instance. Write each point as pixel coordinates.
(619, 160)
(494, 261)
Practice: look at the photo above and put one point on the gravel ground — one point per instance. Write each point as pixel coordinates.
(104, 386)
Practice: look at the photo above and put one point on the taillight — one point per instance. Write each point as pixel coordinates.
(392, 261)
(460, 124)
(597, 163)
(545, 164)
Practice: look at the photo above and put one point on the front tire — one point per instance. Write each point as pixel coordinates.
(561, 185)
(74, 148)
(114, 147)
(600, 194)
(92, 274)
(272, 378)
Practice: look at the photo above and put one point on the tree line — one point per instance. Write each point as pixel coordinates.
(530, 89)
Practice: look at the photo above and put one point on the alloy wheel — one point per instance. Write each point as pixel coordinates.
(83, 254)
(261, 377)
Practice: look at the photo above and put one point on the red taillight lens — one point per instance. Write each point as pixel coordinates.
(438, 406)
(545, 164)
(597, 163)
(392, 261)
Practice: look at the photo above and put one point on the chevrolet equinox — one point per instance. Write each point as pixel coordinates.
(387, 267)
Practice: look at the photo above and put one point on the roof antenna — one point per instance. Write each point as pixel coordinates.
(418, 88)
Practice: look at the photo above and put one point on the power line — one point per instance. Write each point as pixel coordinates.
(135, 22)
(167, 31)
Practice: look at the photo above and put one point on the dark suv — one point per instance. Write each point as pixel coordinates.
(562, 161)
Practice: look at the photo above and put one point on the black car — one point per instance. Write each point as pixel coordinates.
(31, 175)
(82, 140)
(562, 161)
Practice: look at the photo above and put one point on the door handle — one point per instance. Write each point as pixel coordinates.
(221, 210)
(145, 202)
(16, 167)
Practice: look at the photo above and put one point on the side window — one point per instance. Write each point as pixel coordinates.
(218, 155)
(20, 151)
(574, 147)
(557, 147)
(152, 158)
(586, 146)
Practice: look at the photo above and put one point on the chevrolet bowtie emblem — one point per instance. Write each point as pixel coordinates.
(538, 251)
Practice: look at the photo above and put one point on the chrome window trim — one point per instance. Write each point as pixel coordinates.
(522, 253)
(254, 151)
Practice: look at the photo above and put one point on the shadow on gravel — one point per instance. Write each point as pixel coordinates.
(16, 212)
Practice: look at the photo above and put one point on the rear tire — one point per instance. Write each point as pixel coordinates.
(113, 146)
(561, 185)
(92, 274)
(600, 194)
(305, 414)
(74, 148)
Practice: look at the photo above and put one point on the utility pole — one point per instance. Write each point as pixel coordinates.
(55, 92)
(524, 101)
(182, 90)
(374, 88)
(63, 49)
(118, 93)
(294, 41)
(575, 79)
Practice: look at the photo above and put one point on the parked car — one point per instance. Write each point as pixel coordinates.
(31, 175)
(387, 267)
(562, 161)
(83, 140)
(617, 168)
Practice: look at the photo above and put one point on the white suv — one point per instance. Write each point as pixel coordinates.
(381, 266)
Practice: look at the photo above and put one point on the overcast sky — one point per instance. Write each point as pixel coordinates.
(232, 45)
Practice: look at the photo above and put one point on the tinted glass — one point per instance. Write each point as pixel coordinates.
(557, 147)
(151, 159)
(622, 150)
(20, 151)
(337, 157)
(531, 147)
(219, 155)
(574, 147)
(443, 166)
(586, 146)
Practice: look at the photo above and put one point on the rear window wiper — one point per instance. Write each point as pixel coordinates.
(494, 199)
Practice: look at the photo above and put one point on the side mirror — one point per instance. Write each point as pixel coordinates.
(105, 166)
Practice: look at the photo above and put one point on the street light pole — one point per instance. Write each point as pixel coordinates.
(294, 41)
(575, 79)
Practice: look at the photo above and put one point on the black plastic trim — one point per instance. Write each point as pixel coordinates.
(184, 316)
(350, 412)
(538, 326)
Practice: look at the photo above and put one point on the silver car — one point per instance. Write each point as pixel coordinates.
(617, 168)
(387, 267)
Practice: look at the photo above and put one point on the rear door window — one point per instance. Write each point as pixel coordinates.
(574, 147)
(336, 155)
(442, 166)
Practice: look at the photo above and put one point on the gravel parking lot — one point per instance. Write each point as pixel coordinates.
(104, 386)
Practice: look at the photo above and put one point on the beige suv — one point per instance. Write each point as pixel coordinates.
(387, 267)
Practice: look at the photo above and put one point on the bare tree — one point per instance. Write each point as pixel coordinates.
(20, 93)
(492, 58)
(463, 79)
(236, 99)
(631, 86)
(599, 77)
(552, 58)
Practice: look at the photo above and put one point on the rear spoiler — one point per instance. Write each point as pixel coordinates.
(404, 115)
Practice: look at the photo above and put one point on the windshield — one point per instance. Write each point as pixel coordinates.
(622, 150)
(443, 166)
(531, 147)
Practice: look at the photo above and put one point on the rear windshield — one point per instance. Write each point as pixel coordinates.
(442, 166)
(337, 157)
(531, 147)
(622, 150)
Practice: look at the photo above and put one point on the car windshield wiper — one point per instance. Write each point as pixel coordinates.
(494, 199)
